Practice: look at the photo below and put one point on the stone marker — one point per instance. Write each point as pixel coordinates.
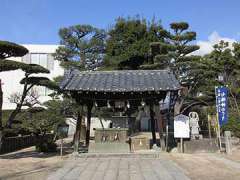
(228, 144)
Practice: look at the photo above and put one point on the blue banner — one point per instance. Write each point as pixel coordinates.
(222, 104)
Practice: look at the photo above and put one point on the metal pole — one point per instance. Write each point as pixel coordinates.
(218, 125)
(61, 150)
(219, 135)
(167, 137)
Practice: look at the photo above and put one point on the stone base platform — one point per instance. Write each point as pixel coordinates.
(109, 147)
(200, 146)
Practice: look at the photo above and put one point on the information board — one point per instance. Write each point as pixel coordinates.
(181, 126)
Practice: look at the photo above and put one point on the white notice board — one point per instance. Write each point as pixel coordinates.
(181, 126)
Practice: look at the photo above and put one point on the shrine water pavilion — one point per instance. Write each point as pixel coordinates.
(124, 91)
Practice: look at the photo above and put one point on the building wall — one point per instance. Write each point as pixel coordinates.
(11, 79)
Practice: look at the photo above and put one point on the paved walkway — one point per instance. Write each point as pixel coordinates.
(119, 168)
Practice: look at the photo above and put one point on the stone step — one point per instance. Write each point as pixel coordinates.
(121, 155)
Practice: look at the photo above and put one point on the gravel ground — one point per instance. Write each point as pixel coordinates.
(208, 166)
(27, 164)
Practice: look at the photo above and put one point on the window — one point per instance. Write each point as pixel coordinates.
(34, 58)
(26, 58)
(45, 60)
(50, 62)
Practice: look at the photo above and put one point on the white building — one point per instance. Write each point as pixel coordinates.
(38, 54)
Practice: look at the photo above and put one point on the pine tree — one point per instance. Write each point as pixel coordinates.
(175, 53)
(28, 82)
(128, 42)
(83, 47)
(7, 50)
(225, 71)
(222, 68)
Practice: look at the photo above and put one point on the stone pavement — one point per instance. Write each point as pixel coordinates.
(120, 167)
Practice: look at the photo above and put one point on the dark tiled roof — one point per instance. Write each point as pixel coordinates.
(119, 81)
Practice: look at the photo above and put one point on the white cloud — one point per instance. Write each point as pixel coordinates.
(213, 38)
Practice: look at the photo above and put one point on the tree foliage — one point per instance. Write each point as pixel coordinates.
(40, 81)
(82, 47)
(9, 49)
(29, 82)
(128, 42)
(223, 68)
(9, 65)
(175, 53)
(43, 120)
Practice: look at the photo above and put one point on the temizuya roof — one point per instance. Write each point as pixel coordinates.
(119, 81)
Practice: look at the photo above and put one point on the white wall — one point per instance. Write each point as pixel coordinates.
(11, 79)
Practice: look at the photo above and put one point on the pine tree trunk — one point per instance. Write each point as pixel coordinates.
(19, 106)
(13, 116)
(77, 135)
(178, 107)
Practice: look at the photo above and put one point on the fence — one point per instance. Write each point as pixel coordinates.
(11, 144)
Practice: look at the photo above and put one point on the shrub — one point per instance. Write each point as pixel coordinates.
(233, 125)
(46, 147)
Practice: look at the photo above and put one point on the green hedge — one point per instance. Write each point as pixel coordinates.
(233, 125)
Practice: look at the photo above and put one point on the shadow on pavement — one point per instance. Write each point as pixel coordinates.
(30, 152)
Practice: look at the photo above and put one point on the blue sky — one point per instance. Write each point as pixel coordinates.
(38, 21)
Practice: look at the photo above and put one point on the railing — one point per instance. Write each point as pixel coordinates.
(11, 144)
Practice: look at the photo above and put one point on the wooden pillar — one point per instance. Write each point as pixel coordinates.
(153, 124)
(160, 126)
(89, 113)
(78, 131)
(130, 123)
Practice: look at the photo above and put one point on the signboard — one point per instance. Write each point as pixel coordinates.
(181, 126)
(222, 104)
